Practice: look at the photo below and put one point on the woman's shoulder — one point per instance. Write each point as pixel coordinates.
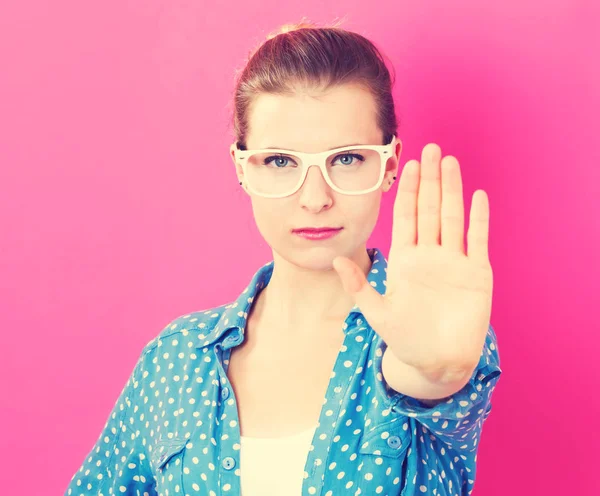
(192, 327)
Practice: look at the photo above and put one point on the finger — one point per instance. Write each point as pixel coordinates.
(404, 229)
(453, 208)
(479, 227)
(430, 196)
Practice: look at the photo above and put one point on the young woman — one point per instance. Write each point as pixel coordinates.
(333, 372)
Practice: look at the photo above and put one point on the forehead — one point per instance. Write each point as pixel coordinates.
(313, 120)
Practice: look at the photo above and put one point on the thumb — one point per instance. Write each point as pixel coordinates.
(351, 275)
(370, 302)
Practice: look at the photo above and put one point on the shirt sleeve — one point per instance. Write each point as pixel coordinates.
(117, 463)
(458, 420)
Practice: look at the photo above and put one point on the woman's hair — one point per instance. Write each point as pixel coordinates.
(303, 55)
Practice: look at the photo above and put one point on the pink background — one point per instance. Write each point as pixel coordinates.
(121, 209)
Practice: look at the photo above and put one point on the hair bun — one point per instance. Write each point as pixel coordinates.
(294, 26)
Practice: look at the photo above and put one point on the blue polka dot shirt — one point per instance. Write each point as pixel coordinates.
(174, 428)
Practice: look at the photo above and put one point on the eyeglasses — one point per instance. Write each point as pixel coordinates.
(350, 170)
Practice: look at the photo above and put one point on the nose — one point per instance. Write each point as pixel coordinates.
(314, 191)
(314, 178)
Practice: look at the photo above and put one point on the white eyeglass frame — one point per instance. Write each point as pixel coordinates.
(319, 159)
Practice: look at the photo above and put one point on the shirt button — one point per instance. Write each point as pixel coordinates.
(394, 442)
(228, 463)
(225, 393)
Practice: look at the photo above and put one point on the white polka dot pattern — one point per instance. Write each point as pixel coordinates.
(174, 428)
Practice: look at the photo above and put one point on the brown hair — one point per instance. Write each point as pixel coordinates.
(304, 54)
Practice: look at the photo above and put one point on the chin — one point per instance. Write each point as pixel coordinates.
(310, 257)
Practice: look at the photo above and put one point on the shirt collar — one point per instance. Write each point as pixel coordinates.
(232, 321)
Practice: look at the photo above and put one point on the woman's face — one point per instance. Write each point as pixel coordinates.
(315, 122)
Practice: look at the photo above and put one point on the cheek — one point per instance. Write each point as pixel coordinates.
(270, 217)
(367, 220)
(362, 215)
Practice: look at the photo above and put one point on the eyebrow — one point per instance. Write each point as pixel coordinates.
(292, 150)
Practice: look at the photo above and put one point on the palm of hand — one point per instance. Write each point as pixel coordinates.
(436, 309)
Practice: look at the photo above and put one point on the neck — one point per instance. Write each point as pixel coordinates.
(301, 299)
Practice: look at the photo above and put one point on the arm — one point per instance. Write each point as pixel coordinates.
(117, 463)
(451, 419)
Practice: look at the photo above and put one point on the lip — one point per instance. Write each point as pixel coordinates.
(317, 229)
(317, 234)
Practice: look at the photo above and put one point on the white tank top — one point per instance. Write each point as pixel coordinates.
(274, 466)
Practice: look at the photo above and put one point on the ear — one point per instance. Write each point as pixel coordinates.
(238, 168)
(391, 167)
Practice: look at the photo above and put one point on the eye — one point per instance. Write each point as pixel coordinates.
(351, 155)
(279, 165)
